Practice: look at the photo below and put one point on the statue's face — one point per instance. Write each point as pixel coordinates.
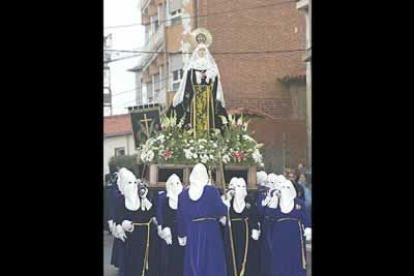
(202, 52)
(201, 38)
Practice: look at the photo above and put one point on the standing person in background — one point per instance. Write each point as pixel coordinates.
(308, 192)
(299, 189)
(301, 169)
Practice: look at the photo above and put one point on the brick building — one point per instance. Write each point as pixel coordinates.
(266, 80)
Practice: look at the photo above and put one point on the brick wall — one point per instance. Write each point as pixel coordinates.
(251, 80)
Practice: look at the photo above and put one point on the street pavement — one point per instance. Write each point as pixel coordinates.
(109, 270)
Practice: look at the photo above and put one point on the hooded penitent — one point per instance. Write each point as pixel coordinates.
(272, 183)
(130, 184)
(198, 179)
(119, 181)
(261, 178)
(174, 188)
(287, 197)
(240, 194)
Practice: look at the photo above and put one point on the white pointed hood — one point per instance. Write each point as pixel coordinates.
(130, 183)
(261, 178)
(198, 179)
(271, 181)
(119, 181)
(174, 188)
(239, 202)
(287, 197)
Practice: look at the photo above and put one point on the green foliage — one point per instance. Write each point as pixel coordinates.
(125, 161)
(174, 145)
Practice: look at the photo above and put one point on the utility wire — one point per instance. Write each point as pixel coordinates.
(204, 15)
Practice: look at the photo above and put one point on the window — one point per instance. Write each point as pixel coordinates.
(106, 77)
(176, 13)
(174, 10)
(119, 151)
(175, 16)
(154, 24)
(149, 92)
(177, 76)
(157, 84)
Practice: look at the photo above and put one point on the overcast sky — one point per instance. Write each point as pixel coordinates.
(123, 12)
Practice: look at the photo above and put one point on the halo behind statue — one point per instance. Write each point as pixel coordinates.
(201, 35)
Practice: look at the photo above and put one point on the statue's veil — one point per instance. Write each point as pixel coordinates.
(209, 65)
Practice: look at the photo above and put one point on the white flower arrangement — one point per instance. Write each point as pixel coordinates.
(147, 156)
(226, 159)
(175, 145)
(257, 156)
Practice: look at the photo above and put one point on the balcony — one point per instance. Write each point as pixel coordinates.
(152, 45)
(145, 3)
(160, 96)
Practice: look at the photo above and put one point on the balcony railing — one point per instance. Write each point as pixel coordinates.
(145, 3)
(153, 43)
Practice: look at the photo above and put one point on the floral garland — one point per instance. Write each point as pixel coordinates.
(175, 145)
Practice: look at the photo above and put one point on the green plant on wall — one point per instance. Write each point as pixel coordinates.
(125, 161)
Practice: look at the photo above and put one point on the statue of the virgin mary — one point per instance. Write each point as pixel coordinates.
(200, 96)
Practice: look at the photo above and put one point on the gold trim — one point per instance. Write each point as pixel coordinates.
(212, 106)
(203, 219)
(301, 243)
(208, 108)
(232, 244)
(239, 219)
(282, 219)
(246, 249)
(146, 258)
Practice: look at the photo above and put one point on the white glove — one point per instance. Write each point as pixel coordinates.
(182, 241)
(127, 226)
(274, 201)
(115, 232)
(167, 235)
(266, 200)
(308, 234)
(168, 240)
(111, 225)
(223, 221)
(255, 234)
(160, 233)
(226, 201)
(121, 233)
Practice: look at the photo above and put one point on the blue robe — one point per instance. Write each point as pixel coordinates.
(284, 241)
(161, 196)
(198, 221)
(173, 255)
(115, 198)
(156, 242)
(246, 250)
(137, 250)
